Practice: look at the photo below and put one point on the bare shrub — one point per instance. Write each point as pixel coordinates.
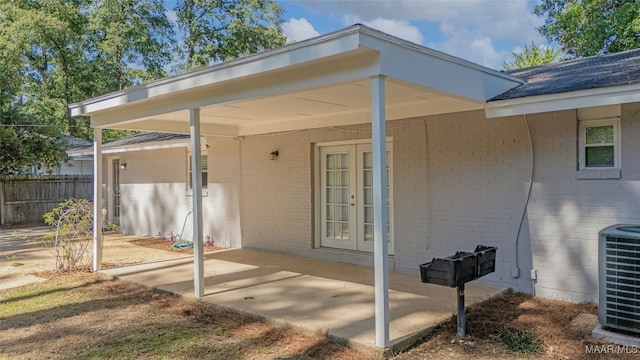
(70, 244)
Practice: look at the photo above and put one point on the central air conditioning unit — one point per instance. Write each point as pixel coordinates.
(619, 275)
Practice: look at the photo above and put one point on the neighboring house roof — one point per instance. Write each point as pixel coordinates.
(617, 69)
(143, 137)
(136, 142)
(71, 142)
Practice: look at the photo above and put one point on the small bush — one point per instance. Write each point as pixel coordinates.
(73, 220)
(519, 341)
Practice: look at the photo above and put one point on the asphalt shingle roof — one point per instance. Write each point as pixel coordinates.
(71, 142)
(581, 74)
(143, 137)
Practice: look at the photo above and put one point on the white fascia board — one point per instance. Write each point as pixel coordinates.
(298, 53)
(564, 101)
(414, 63)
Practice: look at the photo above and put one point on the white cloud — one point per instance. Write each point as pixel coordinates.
(172, 16)
(298, 29)
(399, 28)
(482, 31)
(478, 49)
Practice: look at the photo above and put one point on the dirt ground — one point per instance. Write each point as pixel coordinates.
(536, 328)
(507, 327)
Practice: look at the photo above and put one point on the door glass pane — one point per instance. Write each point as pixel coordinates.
(344, 177)
(330, 233)
(337, 196)
(345, 230)
(368, 233)
(329, 176)
(368, 214)
(344, 197)
(368, 160)
(368, 196)
(345, 212)
(330, 161)
(599, 156)
(367, 178)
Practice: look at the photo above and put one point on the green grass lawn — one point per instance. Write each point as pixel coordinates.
(86, 316)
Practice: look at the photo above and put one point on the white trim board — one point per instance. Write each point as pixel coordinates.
(564, 101)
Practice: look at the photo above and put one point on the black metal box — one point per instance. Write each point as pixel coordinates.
(450, 271)
(486, 256)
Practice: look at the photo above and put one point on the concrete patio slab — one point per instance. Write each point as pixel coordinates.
(310, 294)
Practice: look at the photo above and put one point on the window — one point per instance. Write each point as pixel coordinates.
(205, 172)
(600, 144)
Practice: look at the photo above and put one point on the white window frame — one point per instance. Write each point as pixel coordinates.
(205, 186)
(584, 124)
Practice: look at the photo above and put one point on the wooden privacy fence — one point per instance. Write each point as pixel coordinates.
(25, 198)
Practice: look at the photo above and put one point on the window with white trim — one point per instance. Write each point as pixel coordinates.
(600, 144)
(204, 168)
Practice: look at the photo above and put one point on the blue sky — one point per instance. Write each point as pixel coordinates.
(482, 31)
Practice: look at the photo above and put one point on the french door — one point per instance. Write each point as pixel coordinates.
(346, 197)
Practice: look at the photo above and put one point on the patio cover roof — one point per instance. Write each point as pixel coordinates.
(355, 75)
(319, 82)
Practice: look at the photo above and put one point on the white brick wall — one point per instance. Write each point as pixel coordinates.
(565, 214)
(461, 183)
(154, 196)
(471, 192)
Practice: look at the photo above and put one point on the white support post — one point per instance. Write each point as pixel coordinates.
(97, 199)
(380, 251)
(196, 190)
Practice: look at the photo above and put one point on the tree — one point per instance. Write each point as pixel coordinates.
(130, 42)
(57, 52)
(591, 27)
(220, 30)
(24, 142)
(44, 41)
(37, 52)
(532, 56)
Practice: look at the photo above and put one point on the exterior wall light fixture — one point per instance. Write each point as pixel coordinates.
(274, 155)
